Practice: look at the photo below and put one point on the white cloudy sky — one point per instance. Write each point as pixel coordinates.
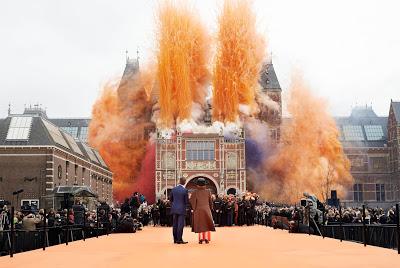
(59, 53)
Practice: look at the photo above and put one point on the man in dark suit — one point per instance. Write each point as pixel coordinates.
(179, 200)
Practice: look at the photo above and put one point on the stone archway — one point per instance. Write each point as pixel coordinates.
(211, 185)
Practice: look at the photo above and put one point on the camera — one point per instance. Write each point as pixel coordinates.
(303, 202)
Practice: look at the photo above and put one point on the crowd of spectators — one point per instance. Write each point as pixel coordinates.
(29, 223)
(228, 210)
(355, 215)
(293, 218)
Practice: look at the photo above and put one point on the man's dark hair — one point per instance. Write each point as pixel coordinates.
(182, 180)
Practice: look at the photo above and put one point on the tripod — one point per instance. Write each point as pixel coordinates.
(316, 226)
(313, 220)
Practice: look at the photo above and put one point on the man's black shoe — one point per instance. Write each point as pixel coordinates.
(182, 242)
(175, 242)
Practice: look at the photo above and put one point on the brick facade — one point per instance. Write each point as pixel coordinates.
(37, 170)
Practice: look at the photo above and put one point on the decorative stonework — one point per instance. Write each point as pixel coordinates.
(231, 160)
(168, 160)
(201, 165)
(231, 176)
(223, 168)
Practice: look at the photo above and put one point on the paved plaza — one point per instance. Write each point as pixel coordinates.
(256, 246)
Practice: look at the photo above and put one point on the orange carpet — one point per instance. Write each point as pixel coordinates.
(256, 246)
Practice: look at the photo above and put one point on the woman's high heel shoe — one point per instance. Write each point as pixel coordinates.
(200, 241)
(207, 241)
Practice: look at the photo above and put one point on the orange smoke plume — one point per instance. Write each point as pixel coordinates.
(310, 158)
(240, 54)
(120, 118)
(183, 48)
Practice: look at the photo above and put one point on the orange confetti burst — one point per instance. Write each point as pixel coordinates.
(183, 48)
(240, 54)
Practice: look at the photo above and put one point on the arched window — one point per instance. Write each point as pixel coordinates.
(59, 172)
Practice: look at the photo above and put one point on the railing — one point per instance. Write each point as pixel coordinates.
(16, 240)
(380, 235)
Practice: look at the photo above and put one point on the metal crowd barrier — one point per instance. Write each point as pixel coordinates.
(16, 240)
(380, 235)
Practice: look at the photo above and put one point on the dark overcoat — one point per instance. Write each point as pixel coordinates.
(179, 200)
(202, 205)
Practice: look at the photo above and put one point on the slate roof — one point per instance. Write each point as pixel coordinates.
(358, 118)
(362, 116)
(131, 68)
(39, 135)
(268, 79)
(88, 152)
(363, 112)
(396, 110)
(71, 122)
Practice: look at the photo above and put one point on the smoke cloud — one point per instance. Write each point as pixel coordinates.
(173, 94)
(310, 157)
(117, 129)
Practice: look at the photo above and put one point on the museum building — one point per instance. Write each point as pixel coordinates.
(371, 143)
(40, 158)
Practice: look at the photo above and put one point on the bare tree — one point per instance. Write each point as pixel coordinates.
(327, 182)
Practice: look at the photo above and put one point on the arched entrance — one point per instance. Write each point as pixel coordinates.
(191, 185)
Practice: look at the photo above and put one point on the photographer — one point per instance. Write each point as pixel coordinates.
(312, 210)
(30, 221)
(4, 225)
(4, 218)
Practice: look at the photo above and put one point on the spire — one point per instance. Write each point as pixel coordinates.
(9, 108)
(126, 56)
(268, 79)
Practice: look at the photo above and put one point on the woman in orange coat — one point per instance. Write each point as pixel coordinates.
(202, 205)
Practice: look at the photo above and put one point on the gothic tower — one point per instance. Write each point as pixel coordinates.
(271, 114)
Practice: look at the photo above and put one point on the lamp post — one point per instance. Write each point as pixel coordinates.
(17, 194)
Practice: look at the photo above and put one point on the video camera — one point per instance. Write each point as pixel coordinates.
(306, 202)
(310, 204)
